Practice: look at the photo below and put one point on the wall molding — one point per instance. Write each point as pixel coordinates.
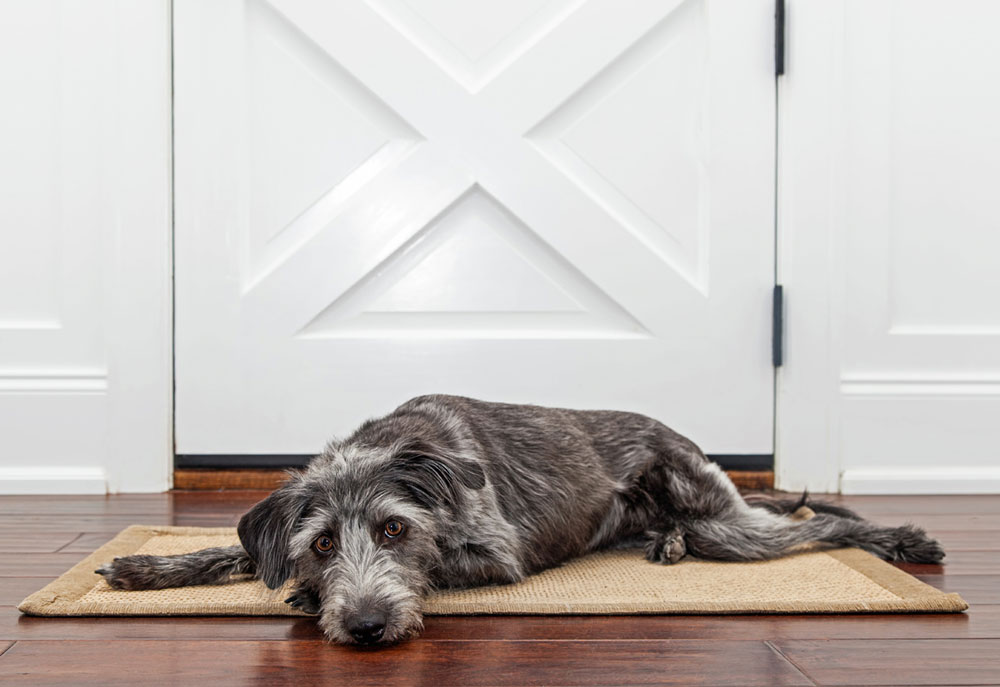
(86, 381)
(87, 479)
(920, 385)
(921, 480)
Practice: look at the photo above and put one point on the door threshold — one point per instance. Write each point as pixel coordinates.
(213, 479)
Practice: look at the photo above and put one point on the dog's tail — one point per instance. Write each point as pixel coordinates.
(788, 505)
(208, 566)
(759, 534)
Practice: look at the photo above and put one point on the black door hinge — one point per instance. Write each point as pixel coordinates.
(779, 37)
(778, 326)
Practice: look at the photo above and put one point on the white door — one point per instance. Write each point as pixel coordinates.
(561, 202)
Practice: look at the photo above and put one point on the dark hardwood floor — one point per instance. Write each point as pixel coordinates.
(40, 537)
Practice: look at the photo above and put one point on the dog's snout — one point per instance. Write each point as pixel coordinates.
(367, 628)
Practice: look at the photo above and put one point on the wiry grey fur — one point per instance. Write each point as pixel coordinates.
(489, 493)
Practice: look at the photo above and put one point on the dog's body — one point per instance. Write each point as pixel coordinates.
(452, 492)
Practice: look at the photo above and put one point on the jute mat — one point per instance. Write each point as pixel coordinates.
(607, 583)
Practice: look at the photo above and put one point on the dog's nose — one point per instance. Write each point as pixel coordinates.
(367, 629)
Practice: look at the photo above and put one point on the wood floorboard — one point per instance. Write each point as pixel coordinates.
(976, 589)
(41, 537)
(981, 622)
(461, 662)
(941, 522)
(896, 662)
(87, 542)
(47, 524)
(28, 542)
(188, 502)
(14, 589)
(914, 506)
(38, 564)
(958, 563)
(979, 540)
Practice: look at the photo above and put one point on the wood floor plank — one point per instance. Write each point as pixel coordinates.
(976, 589)
(31, 542)
(958, 563)
(896, 662)
(38, 564)
(969, 540)
(85, 504)
(947, 522)
(428, 662)
(228, 502)
(47, 524)
(87, 542)
(915, 506)
(14, 589)
(980, 622)
(15, 626)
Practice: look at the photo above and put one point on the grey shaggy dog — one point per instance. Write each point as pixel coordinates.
(453, 492)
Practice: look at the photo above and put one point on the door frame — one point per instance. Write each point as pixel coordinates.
(809, 204)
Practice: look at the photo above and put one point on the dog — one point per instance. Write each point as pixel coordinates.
(448, 492)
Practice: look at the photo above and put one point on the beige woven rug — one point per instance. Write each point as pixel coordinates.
(616, 582)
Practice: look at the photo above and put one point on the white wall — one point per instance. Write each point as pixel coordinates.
(85, 246)
(888, 227)
(889, 247)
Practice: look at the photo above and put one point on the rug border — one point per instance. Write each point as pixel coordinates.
(60, 597)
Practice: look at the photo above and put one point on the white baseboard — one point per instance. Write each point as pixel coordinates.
(918, 480)
(53, 480)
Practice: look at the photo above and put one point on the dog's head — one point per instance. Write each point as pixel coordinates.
(358, 532)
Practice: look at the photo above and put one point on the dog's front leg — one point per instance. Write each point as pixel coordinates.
(305, 600)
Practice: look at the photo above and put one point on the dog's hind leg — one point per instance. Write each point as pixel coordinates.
(208, 566)
(751, 535)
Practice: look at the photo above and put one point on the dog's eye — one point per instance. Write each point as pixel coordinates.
(393, 529)
(323, 544)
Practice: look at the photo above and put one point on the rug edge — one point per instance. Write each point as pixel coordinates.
(894, 580)
(60, 596)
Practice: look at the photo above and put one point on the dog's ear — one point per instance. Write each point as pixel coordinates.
(266, 529)
(434, 476)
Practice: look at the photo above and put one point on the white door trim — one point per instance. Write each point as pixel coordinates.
(140, 256)
(86, 389)
(810, 133)
(889, 383)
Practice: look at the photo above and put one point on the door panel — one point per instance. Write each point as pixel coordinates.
(564, 203)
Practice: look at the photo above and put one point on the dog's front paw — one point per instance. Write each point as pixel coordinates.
(665, 547)
(304, 600)
(130, 573)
